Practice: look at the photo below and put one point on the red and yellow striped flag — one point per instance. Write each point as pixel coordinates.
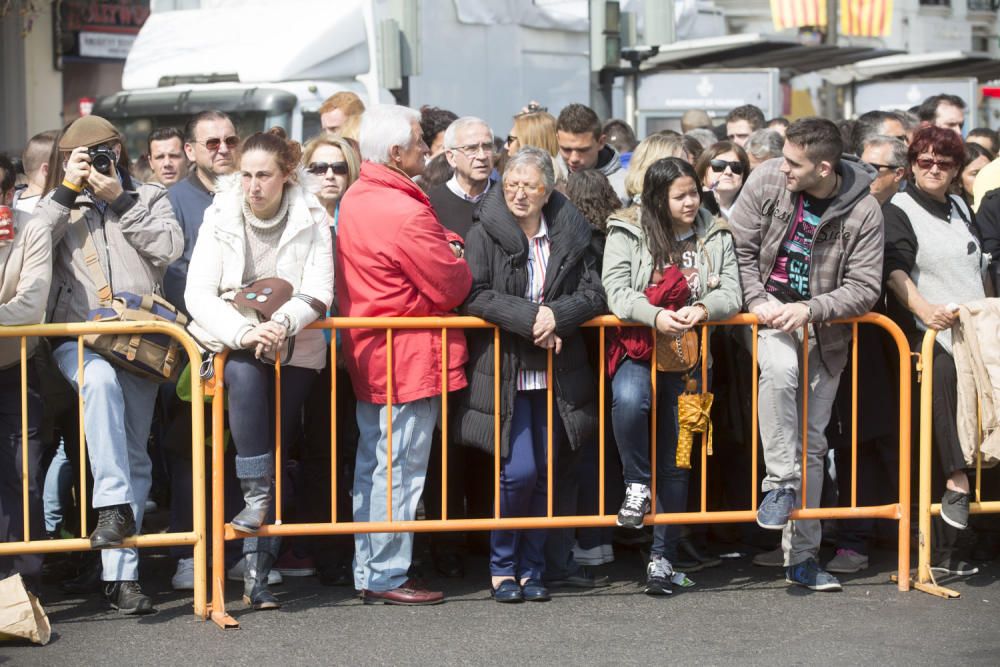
(866, 18)
(858, 18)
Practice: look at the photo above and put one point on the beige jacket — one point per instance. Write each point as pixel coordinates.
(25, 277)
(977, 360)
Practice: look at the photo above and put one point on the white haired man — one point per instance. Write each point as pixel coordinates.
(394, 258)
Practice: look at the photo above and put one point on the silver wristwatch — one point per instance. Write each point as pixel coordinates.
(284, 319)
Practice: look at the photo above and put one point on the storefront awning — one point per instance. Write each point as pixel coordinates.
(755, 50)
(939, 64)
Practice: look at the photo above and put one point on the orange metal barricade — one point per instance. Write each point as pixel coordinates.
(194, 538)
(925, 580)
(897, 511)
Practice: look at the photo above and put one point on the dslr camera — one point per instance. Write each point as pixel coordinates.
(102, 159)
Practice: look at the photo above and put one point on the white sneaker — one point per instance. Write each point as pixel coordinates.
(235, 573)
(183, 579)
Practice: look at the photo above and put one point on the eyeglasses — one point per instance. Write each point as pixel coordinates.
(472, 150)
(719, 166)
(928, 163)
(513, 188)
(215, 143)
(880, 167)
(510, 139)
(320, 168)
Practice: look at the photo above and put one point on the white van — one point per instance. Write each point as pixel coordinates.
(269, 63)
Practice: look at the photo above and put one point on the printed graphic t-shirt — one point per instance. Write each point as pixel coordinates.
(789, 280)
(688, 252)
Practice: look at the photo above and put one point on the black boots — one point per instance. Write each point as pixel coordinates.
(128, 598)
(114, 524)
(255, 590)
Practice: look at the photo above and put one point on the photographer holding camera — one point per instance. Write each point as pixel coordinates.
(128, 232)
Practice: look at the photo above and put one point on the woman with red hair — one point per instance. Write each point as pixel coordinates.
(934, 261)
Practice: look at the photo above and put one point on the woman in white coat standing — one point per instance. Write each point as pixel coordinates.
(262, 226)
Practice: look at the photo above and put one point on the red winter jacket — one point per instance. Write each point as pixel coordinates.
(393, 260)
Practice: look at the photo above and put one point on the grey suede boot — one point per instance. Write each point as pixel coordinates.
(255, 590)
(256, 475)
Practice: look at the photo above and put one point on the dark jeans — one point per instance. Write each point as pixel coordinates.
(250, 387)
(524, 487)
(944, 410)
(11, 461)
(878, 483)
(632, 397)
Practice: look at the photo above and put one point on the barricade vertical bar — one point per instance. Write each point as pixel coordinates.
(924, 520)
(804, 468)
(753, 416)
(548, 427)
(333, 425)
(902, 345)
(496, 422)
(854, 415)
(83, 437)
(704, 436)
(388, 406)
(219, 615)
(652, 427)
(26, 534)
(601, 425)
(444, 424)
(198, 521)
(278, 467)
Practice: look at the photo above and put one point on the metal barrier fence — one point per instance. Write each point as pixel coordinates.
(897, 511)
(925, 580)
(194, 538)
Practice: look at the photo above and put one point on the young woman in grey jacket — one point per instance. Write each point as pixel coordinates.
(667, 229)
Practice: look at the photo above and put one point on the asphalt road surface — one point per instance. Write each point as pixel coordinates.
(735, 614)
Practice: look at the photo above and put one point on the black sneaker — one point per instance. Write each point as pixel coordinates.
(128, 598)
(658, 575)
(955, 509)
(114, 524)
(636, 506)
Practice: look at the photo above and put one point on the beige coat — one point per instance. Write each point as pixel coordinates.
(977, 360)
(25, 277)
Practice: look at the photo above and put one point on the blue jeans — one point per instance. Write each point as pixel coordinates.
(57, 490)
(631, 398)
(382, 560)
(117, 414)
(524, 487)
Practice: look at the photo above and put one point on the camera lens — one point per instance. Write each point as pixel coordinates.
(102, 163)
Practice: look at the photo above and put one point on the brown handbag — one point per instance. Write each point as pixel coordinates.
(265, 297)
(677, 353)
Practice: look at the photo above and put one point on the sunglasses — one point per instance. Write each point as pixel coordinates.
(719, 166)
(880, 167)
(215, 143)
(511, 139)
(928, 163)
(320, 168)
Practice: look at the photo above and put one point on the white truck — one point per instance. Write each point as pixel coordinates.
(274, 63)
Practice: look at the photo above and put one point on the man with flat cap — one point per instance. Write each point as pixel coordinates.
(128, 232)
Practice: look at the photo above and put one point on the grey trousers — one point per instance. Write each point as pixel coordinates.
(779, 408)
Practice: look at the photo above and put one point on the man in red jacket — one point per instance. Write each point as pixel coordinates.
(394, 259)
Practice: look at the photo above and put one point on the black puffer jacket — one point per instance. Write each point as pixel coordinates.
(497, 251)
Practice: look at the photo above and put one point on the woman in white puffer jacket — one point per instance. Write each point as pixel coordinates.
(262, 224)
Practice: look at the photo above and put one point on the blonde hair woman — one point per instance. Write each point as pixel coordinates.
(652, 148)
(538, 129)
(333, 165)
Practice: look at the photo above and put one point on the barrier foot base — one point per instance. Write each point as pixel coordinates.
(935, 589)
(225, 621)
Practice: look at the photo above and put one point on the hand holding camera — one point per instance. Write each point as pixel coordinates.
(78, 167)
(94, 167)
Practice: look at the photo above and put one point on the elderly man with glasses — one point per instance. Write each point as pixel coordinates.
(469, 150)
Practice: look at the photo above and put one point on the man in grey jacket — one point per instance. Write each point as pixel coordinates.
(809, 244)
(97, 210)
